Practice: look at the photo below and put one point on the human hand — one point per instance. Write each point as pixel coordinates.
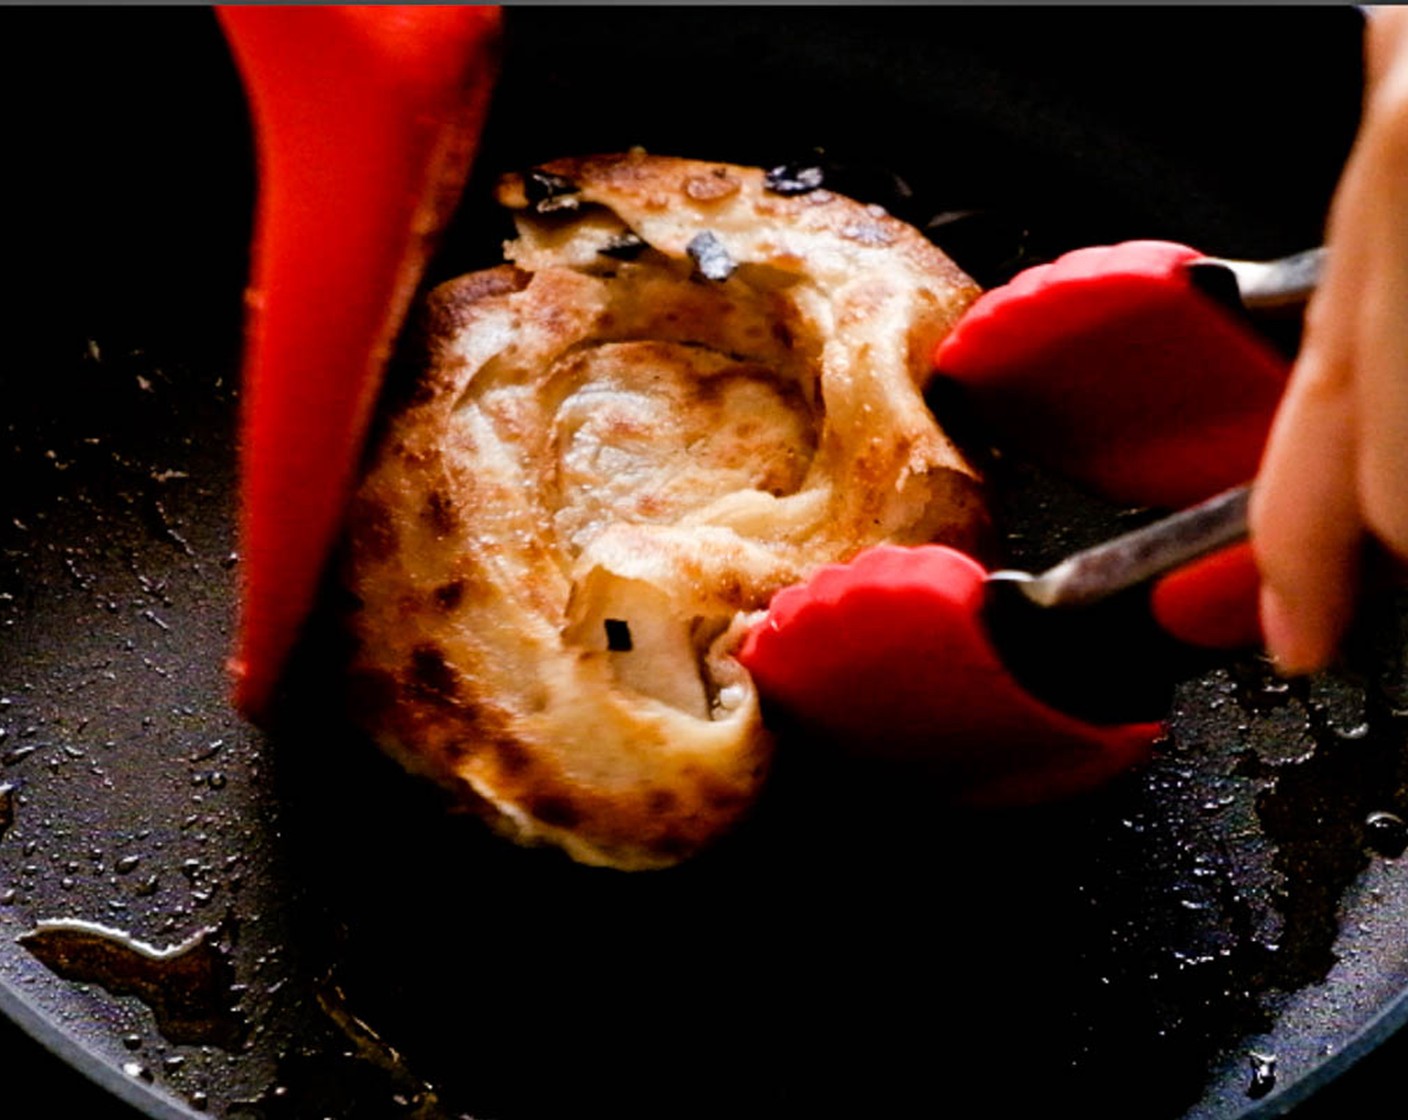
(1335, 472)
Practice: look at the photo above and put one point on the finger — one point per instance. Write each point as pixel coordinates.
(1305, 524)
(1306, 529)
(1338, 452)
(1382, 403)
(1381, 327)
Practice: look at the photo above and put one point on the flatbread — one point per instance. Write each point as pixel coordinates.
(686, 391)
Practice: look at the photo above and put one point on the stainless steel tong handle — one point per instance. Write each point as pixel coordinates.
(1265, 285)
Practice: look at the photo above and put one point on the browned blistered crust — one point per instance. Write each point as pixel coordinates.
(603, 433)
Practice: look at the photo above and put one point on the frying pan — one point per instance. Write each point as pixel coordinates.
(1214, 936)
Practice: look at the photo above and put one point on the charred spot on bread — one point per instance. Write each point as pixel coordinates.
(430, 671)
(711, 259)
(547, 192)
(618, 635)
(795, 178)
(450, 595)
(686, 390)
(624, 247)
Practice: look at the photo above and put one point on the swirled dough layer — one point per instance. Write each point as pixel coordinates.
(685, 392)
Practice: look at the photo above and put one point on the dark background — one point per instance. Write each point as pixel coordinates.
(129, 181)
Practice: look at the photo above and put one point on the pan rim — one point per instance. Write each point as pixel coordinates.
(146, 1099)
(1367, 1040)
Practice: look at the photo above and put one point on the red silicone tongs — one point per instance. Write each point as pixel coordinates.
(365, 122)
(1137, 370)
(1129, 369)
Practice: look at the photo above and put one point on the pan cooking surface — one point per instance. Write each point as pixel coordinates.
(228, 923)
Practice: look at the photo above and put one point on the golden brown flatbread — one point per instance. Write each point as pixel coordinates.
(685, 392)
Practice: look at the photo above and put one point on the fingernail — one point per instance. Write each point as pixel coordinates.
(1286, 641)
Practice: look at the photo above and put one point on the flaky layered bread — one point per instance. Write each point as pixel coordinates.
(686, 391)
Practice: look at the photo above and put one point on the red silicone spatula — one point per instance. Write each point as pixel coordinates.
(365, 122)
(1112, 365)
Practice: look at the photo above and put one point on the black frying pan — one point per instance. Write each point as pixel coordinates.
(1212, 937)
